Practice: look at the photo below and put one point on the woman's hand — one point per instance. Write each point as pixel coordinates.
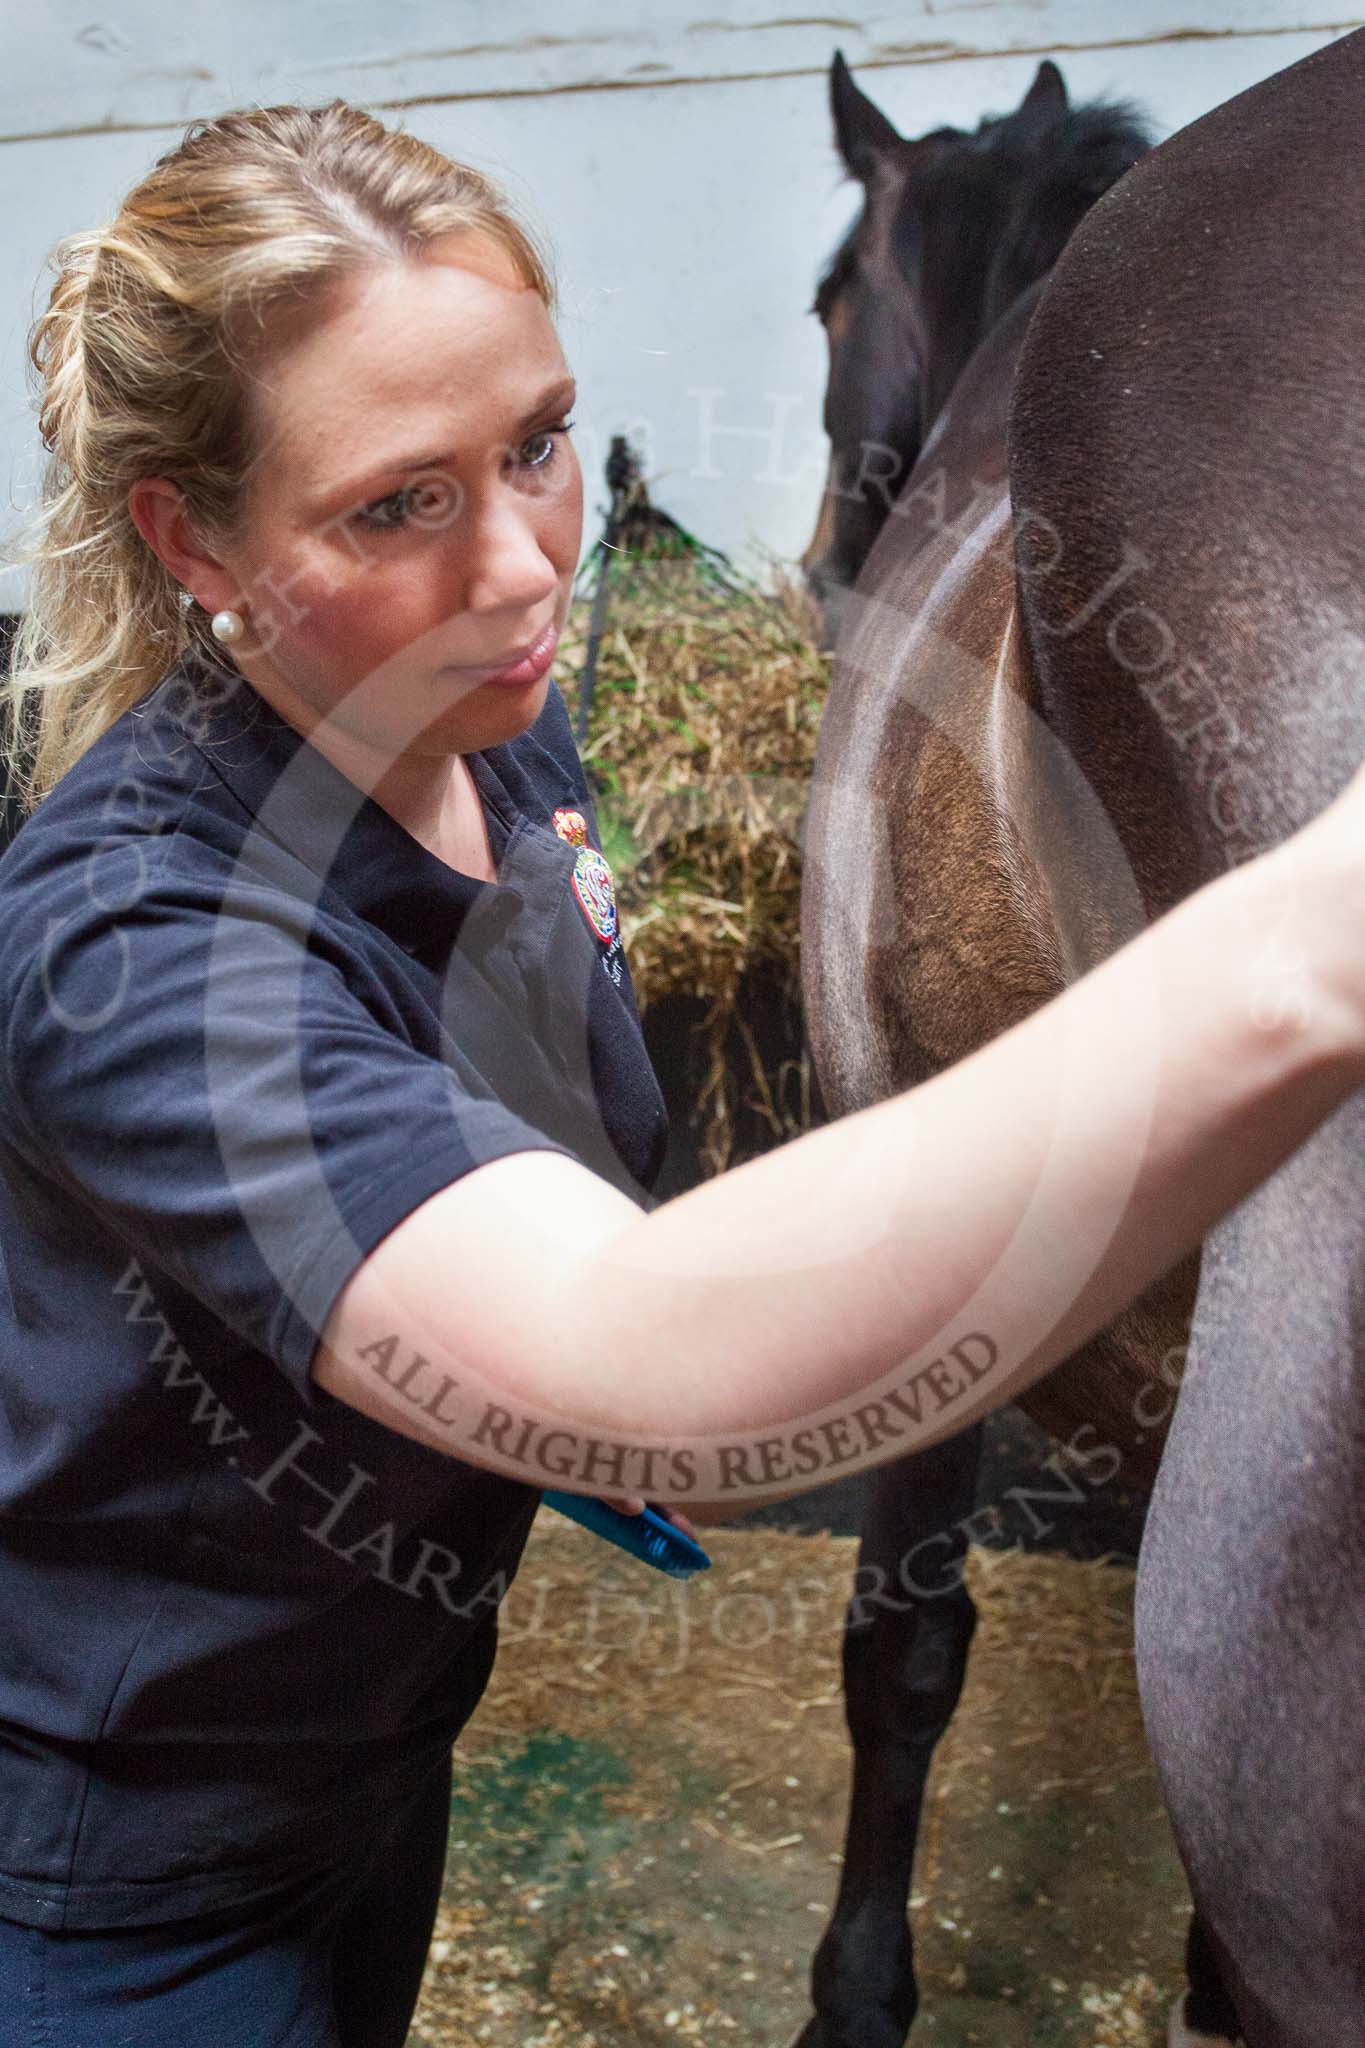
(631, 1504)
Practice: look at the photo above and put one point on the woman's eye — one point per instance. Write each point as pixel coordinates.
(547, 442)
(433, 504)
(424, 504)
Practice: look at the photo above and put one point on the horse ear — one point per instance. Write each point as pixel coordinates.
(862, 132)
(1047, 94)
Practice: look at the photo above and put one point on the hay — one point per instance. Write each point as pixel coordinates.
(708, 697)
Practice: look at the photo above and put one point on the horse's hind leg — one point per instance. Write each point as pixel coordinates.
(1204, 2017)
(1251, 1600)
(906, 1638)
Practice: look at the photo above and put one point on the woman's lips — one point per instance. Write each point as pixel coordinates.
(527, 668)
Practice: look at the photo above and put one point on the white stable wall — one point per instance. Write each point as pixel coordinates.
(680, 162)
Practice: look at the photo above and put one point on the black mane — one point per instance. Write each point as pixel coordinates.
(1090, 147)
(1041, 176)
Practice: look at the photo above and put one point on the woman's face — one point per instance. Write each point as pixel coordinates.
(413, 516)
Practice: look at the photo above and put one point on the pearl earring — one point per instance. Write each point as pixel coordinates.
(227, 627)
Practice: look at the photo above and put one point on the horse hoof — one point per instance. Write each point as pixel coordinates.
(1179, 2035)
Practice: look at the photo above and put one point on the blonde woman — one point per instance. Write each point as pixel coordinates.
(327, 1127)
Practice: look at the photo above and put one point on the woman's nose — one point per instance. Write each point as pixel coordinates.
(506, 567)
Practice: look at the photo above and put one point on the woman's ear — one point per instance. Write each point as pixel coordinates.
(158, 511)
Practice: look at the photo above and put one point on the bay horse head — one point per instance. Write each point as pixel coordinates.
(953, 228)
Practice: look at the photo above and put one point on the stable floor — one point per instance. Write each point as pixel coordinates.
(649, 1809)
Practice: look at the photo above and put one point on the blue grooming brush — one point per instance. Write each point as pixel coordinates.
(650, 1536)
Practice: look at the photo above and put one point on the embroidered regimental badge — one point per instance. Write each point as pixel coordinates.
(571, 825)
(592, 885)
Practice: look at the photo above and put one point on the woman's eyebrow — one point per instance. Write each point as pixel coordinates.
(562, 392)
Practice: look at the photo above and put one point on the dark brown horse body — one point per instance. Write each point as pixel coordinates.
(1220, 399)
(1073, 683)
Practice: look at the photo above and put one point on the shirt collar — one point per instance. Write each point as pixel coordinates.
(302, 800)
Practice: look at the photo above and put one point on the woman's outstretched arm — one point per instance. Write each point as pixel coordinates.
(878, 1284)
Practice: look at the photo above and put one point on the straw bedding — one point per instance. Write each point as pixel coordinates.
(708, 696)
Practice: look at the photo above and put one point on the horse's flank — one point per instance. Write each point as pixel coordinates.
(1193, 394)
(959, 871)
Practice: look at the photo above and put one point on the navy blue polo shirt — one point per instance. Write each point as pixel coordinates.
(247, 1024)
